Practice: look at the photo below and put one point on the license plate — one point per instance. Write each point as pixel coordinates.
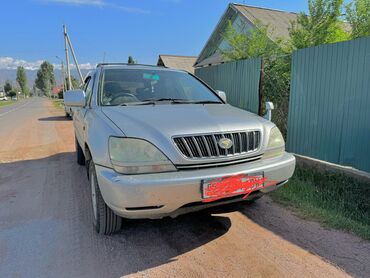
(242, 184)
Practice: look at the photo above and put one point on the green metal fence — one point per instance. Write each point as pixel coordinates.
(329, 109)
(239, 80)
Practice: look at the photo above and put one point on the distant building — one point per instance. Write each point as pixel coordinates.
(2, 94)
(177, 62)
(57, 89)
(243, 18)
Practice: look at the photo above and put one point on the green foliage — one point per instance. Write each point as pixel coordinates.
(254, 43)
(12, 93)
(358, 15)
(276, 59)
(75, 82)
(45, 79)
(277, 88)
(131, 60)
(8, 87)
(322, 25)
(22, 80)
(334, 199)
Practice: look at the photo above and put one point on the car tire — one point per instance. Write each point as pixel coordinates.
(79, 153)
(105, 221)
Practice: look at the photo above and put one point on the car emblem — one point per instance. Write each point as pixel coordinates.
(225, 143)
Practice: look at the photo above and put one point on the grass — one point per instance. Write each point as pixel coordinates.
(58, 103)
(335, 200)
(6, 102)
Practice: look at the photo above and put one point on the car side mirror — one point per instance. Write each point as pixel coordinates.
(222, 95)
(74, 98)
(269, 108)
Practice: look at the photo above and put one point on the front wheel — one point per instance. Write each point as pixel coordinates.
(105, 220)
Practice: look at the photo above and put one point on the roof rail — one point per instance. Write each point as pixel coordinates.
(126, 64)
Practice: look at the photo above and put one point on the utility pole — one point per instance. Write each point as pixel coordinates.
(69, 82)
(75, 59)
(64, 78)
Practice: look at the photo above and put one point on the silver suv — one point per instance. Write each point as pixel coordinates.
(159, 142)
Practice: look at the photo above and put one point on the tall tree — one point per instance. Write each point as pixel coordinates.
(358, 15)
(322, 24)
(131, 60)
(22, 80)
(45, 79)
(8, 87)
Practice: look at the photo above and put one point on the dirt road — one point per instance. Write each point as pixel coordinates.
(46, 230)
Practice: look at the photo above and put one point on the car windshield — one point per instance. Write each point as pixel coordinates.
(143, 86)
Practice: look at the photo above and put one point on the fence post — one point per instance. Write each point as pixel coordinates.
(261, 87)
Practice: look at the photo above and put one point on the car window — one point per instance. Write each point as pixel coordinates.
(124, 86)
(88, 88)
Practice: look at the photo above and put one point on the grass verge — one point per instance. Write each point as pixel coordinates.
(7, 102)
(58, 103)
(335, 200)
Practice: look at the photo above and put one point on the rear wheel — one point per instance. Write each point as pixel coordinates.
(105, 220)
(79, 153)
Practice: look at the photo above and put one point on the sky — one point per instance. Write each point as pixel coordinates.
(32, 29)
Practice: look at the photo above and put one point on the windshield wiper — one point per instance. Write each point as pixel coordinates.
(181, 101)
(137, 103)
(174, 100)
(205, 102)
(171, 100)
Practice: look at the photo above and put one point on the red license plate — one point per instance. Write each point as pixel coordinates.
(242, 184)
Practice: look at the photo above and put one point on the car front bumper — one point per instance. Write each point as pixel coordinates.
(171, 194)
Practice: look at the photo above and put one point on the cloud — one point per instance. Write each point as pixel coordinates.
(100, 4)
(13, 63)
(85, 66)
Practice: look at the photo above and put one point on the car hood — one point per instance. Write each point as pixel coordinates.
(180, 119)
(159, 123)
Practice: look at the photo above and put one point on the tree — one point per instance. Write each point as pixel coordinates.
(12, 93)
(276, 60)
(131, 60)
(45, 79)
(8, 87)
(253, 43)
(322, 25)
(22, 80)
(75, 82)
(358, 15)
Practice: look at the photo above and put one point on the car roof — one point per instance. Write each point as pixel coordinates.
(135, 66)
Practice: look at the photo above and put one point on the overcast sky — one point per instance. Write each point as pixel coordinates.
(32, 29)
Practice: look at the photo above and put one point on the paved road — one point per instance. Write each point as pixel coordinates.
(46, 230)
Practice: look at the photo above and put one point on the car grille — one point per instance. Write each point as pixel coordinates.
(206, 145)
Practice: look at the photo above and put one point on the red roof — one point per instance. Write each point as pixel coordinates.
(57, 89)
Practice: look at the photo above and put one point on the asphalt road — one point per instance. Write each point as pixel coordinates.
(46, 230)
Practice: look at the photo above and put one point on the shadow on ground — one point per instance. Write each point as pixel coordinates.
(46, 228)
(54, 119)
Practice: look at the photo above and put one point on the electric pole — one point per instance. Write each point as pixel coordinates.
(69, 82)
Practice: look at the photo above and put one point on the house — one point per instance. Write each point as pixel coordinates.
(56, 89)
(177, 62)
(243, 18)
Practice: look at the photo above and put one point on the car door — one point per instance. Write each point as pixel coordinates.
(79, 114)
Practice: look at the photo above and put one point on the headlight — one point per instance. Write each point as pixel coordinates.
(136, 156)
(276, 144)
